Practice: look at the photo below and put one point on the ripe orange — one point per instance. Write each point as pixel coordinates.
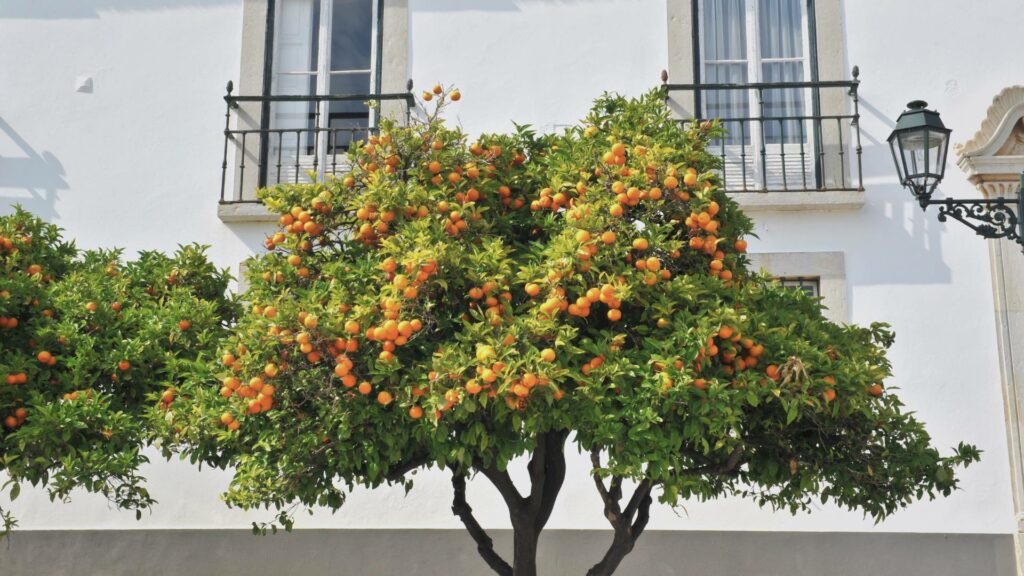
(124, 365)
(830, 395)
(641, 244)
(226, 418)
(384, 397)
(547, 355)
(415, 412)
(455, 96)
(365, 388)
(184, 325)
(875, 389)
(44, 357)
(615, 315)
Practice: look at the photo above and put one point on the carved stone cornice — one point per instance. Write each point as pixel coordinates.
(994, 157)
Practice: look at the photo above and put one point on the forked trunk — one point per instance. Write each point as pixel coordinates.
(524, 558)
(529, 514)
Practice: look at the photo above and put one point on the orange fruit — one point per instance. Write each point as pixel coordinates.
(547, 355)
(384, 398)
(415, 412)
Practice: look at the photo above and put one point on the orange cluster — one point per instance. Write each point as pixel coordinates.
(299, 221)
(495, 305)
(8, 323)
(46, 358)
(408, 284)
(167, 398)
(16, 378)
(16, 419)
(703, 237)
(735, 352)
(257, 391)
(550, 200)
(75, 395)
(595, 363)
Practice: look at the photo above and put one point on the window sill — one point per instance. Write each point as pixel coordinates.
(244, 212)
(794, 201)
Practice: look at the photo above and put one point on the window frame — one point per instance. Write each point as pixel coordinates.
(828, 267)
(391, 41)
(323, 73)
(826, 31)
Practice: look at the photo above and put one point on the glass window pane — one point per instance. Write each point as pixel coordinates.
(725, 30)
(729, 104)
(809, 286)
(351, 28)
(783, 103)
(298, 27)
(780, 29)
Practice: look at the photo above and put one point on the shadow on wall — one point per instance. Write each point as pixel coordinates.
(39, 174)
(58, 9)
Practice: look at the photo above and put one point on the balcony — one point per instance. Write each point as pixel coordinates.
(789, 145)
(270, 140)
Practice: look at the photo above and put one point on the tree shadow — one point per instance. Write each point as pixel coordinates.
(39, 174)
(66, 9)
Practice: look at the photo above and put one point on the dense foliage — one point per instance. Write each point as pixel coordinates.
(89, 344)
(459, 302)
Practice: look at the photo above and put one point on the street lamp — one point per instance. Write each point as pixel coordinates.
(919, 145)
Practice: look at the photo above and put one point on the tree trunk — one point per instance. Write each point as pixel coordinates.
(524, 557)
(530, 513)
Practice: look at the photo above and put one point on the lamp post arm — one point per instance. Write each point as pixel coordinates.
(990, 217)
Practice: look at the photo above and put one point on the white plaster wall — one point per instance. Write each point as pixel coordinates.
(137, 163)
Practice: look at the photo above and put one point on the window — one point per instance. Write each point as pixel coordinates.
(321, 47)
(819, 274)
(744, 42)
(309, 51)
(809, 285)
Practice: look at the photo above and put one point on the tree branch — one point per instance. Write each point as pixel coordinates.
(643, 490)
(730, 465)
(503, 482)
(484, 544)
(399, 473)
(554, 476)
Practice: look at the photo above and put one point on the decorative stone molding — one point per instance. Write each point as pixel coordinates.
(994, 157)
(828, 267)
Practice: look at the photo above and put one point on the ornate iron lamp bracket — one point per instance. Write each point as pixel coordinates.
(989, 218)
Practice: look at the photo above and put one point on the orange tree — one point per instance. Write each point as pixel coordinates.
(457, 303)
(89, 344)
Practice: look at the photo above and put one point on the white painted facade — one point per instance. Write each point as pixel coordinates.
(135, 162)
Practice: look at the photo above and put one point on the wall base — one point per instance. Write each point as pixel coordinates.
(446, 552)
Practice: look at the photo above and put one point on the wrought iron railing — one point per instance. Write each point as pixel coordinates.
(285, 138)
(781, 136)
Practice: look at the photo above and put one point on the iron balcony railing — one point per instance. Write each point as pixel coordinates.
(280, 139)
(781, 136)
